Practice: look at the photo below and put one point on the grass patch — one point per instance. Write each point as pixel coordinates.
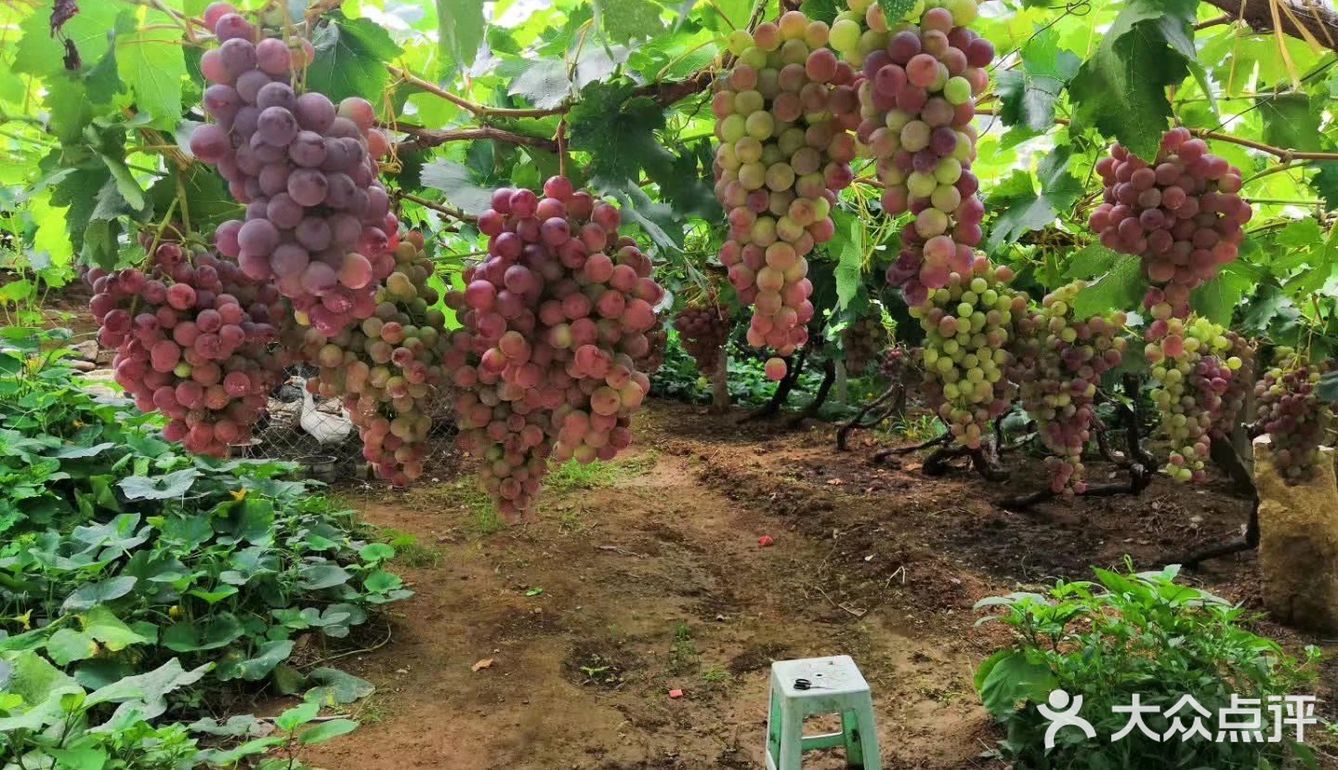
(409, 551)
(574, 476)
(918, 428)
(683, 655)
(463, 495)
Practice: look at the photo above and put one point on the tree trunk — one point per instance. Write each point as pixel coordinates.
(720, 383)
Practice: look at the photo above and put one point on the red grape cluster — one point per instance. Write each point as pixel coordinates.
(1181, 214)
(657, 344)
(1292, 415)
(783, 153)
(554, 321)
(704, 330)
(192, 339)
(968, 326)
(863, 342)
(388, 369)
(917, 100)
(1059, 365)
(318, 223)
(1191, 371)
(1240, 360)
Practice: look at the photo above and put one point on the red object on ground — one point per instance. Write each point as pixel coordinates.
(675, 694)
(766, 541)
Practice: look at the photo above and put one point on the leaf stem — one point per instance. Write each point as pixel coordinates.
(427, 137)
(442, 208)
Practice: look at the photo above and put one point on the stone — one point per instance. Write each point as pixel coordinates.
(1298, 542)
(86, 350)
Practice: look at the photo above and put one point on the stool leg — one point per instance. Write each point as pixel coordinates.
(791, 737)
(851, 728)
(773, 731)
(868, 735)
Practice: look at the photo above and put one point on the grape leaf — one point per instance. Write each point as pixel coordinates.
(1121, 89)
(1089, 262)
(848, 246)
(1022, 209)
(1121, 288)
(895, 10)
(1290, 121)
(1328, 387)
(1028, 93)
(39, 53)
(543, 82)
(351, 56)
(459, 32)
(207, 197)
(1217, 299)
(1326, 183)
(457, 183)
(820, 10)
(625, 20)
(618, 129)
(656, 220)
(153, 65)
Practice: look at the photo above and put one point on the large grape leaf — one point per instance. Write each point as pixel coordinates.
(658, 221)
(458, 184)
(351, 56)
(1217, 299)
(542, 82)
(618, 129)
(1325, 183)
(1291, 121)
(1121, 89)
(459, 32)
(848, 246)
(895, 10)
(820, 10)
(1028, 93)
(625, 20)
(1121, 288)
(1023, 209)
(40, 53)
(153, 65)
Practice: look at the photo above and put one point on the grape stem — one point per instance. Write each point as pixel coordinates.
(442, 208)
(424, 138)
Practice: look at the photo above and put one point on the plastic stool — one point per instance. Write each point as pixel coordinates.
(802, 688)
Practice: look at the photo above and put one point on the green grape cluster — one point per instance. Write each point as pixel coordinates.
(968, 326)
(1192, 369)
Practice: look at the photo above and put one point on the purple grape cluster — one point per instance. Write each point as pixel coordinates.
(1292, 415)
(318, 223)
(704, 330)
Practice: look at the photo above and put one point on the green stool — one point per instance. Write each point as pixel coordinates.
(802, 688)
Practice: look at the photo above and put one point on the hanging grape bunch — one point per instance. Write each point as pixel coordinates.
(1058, 369)
(192, 338)
(657, 343)
(782, 156)
(553, 323)
(1182, 215)
(968, 326)
(863, 341)
(917, 101)
(318, 223)
(1240, 361)
(704, 330)
(387, 370)
(1191, 371)
(1292, 415)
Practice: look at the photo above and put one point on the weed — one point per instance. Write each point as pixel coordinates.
(716, 675)
(683, 655)
(575, 476)
(409, 551)
(918, 427)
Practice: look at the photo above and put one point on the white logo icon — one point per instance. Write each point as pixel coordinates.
(1063, 712)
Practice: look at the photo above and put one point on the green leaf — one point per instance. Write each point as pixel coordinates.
(625, 20)
(207, 197)
(92, 594)
(1119, 289)
(1290, 121)
(1217, 299)
(656, 220)
(85, 758)
(295, 717)
(459, 33)
(316, 577)
(327, 731)
(103, 625)
(145, 693)
(126, 184)
(1328, 387)
(1090, 261)
(895, 10)
(40, 53)
(376, 552)
(1012, 680)
(618, 129)
(163, 487)
(351, 56)
(1121, 90)
(543, 82)
(221, 630)
(848, 246)
(257, 667)
(1326, 183)
(336, 688)
(153, 65)
(821, 10)
(1028, 93)
(67, 645)
(1022, 209)
(458, 185)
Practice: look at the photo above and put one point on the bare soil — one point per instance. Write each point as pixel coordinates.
(650, 578)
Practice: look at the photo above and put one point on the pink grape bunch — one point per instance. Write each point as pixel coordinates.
(784, 152)
(968, 327)
(193, 339)
(657, 344)
(1292, 415)
(318, 222)
(918, 99)
(1181, 214)
(1059, 365)
(863, 341)
(1191, 372)
(1240, 359)
(388, 370)
(554, 321)
(704, 330)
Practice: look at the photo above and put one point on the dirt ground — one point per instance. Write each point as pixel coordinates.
(647, 575)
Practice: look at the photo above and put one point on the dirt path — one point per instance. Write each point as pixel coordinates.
(646, 575)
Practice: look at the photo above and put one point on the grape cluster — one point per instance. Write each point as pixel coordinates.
(1191, 372)
(554, 321)
(863, 342)
(657, 344)
(1240, 360)
(704, 329)
(318, 223)
(193, 338)
(917, 100)
(1059, 364)
(968, 327)
(1181, 214)
(1292, 415)
(783, 153)
(387, 370)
